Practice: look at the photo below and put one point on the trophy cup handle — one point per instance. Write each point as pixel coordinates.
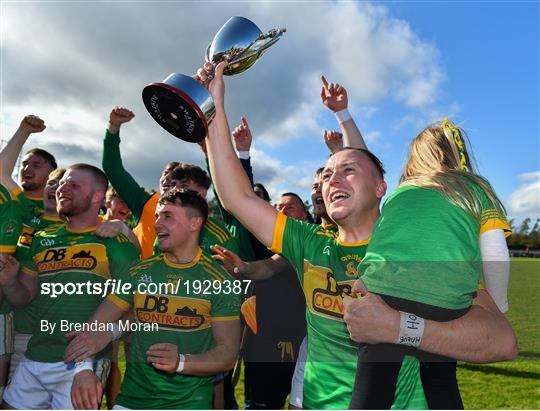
(207, 54)
(269, 39)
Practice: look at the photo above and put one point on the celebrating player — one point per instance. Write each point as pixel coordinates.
(326, 265)
(198, 334)
(62, 255)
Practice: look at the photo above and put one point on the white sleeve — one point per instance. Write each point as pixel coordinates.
(496, 264)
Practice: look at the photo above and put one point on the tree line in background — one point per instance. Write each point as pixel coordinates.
(526, 236)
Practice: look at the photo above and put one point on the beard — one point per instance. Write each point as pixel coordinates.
(30, 185)
(74, 207)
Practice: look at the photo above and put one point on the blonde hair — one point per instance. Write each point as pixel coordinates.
(57, 173)
(439, 160)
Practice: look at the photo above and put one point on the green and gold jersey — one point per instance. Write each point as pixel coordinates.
(75, 260)
(12, 214)
(184, 318)
(426, 249)
(25, 319)
(326, 269)
(213, 232)
(34, 205)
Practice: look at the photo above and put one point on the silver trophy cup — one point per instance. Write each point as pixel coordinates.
(181, 105)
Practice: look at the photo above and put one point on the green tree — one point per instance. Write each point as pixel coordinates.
(525, 226)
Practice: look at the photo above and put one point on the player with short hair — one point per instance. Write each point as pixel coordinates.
(192, 177)
(326, 264)
(35, 166)
(25, 319)
(143, 204)
(198, 334)
(66, 254)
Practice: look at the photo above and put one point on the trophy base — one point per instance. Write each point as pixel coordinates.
(176, 111)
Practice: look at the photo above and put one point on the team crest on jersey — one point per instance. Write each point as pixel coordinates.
(81, 257)
(325, 294)
(173, 312)
(9, 228)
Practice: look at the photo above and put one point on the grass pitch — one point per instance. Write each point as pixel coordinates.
(516, 384)
(506, 385)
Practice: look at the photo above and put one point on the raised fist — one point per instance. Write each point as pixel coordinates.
(119, 116)
(32, 124)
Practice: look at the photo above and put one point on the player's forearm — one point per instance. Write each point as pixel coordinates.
(258, 270)
(351, 135)
(231, 182)
(219, 359)
(479, 336)
(17, 294)
(9, 154)
(107, 312)
(264, 269)
(125, 185)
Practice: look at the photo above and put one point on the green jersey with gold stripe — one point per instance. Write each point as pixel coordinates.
(34, 205)
(326, 269)
(213, 232)
(12, 214)
(426, 249)
(25, 319)
(185, 319)
(76, 260)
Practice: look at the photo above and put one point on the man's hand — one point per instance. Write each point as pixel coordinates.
(212, 79)
(86, 391)
(110, 229)
(163, 357)
(242, 136)
(84, 344)
(370, 320)
(9, 269)
(119, 116)
(333, 96)
(32, 124)
(231, 262)
(333, 140)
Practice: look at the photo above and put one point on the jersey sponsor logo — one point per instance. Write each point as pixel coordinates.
(173, 312)
(81, 257)
(326, 250)
(325, 294)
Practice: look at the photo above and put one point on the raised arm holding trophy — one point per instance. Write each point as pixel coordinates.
(181, 105)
